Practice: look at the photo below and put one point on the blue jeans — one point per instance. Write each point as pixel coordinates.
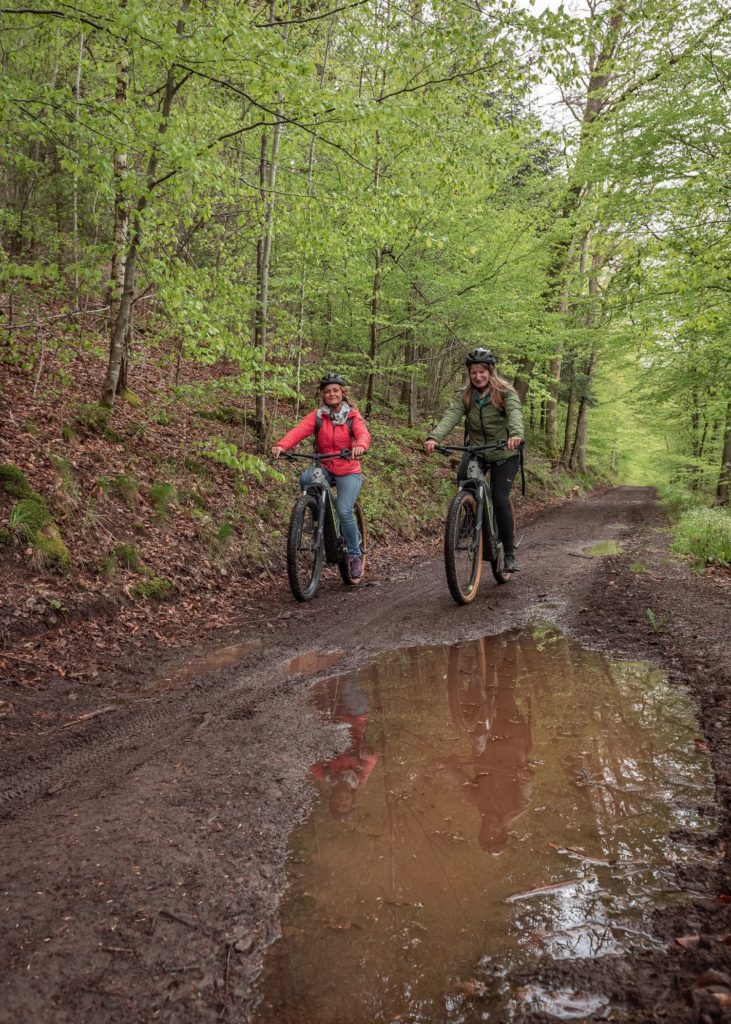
(347, 490)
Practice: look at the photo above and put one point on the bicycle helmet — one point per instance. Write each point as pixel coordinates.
(332, 378)
(480, 355)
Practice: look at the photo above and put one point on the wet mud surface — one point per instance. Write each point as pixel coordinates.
(144, 839)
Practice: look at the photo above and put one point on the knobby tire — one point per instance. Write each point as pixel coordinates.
(304, 562)
(463, 566)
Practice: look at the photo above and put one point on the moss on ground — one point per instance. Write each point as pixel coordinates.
(155, 588)
(14, 482)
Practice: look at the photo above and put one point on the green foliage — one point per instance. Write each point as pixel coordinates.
(33, 523)
(162, 496)
(28, 517)
(155, 588)
(126, 487)
(90, 418)
(656, 623)
(603, 548)
(228, 454)
(50, 548)
(131, 398)
(127, 555)
(66, 471)
(225, 414)
(6, 537)
(14, 482)
(704, 534)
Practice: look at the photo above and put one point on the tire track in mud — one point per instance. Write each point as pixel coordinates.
(418, 610)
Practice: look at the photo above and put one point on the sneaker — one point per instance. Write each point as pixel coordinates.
(356, 569)
(511, 563)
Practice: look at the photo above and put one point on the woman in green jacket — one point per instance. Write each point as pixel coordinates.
(492, 412)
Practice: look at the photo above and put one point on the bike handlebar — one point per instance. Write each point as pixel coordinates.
(344, 453)
(445, 449)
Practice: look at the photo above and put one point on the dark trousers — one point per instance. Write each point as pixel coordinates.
(501, 474)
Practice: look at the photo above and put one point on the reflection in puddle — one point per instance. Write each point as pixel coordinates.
(561, 1003)
(497, 800)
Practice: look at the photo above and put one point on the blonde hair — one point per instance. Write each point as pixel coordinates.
(497, 386)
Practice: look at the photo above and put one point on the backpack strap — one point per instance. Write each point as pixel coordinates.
(318, 425)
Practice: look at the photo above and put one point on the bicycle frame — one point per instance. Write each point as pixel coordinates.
(328, 524)
(477, 483)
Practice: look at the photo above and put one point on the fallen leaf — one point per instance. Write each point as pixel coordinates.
(686, 941)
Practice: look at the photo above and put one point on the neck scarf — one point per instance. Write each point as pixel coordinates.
(338, 417)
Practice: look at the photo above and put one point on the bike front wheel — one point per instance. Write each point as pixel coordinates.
(463, 548)
(344, 563)
(304, 554)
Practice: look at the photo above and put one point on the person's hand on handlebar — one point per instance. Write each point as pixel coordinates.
(430, 444)
(277, 450)
(357, 450)
(514, 442)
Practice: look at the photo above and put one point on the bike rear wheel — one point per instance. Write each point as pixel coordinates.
(344, 563)
(463, 548)
(304, 555)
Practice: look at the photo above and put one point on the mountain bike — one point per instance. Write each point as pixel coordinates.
(314, 532)
(470, 532)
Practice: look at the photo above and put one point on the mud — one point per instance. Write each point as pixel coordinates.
(498, 799)
(146, 827)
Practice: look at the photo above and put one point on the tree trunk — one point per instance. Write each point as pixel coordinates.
(121, 204)
(521, 381)
(375, 295)
(267, 186)
(299, 341)
(568, 428)
(577, 459)
(124, 313)
(723, 491)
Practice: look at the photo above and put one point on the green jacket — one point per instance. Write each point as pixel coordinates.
(485, 424)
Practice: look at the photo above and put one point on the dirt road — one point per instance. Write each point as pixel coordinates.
(144, 841)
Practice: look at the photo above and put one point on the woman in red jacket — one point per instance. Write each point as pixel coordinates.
(336, 426)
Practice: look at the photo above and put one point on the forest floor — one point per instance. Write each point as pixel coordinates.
(147, 813)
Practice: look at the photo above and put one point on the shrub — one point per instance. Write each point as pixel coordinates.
(156, 588)
(162, 496)
(704, 534)
(127, 555)
(14, 483)
(6, 536)
(127, 488)
(91, 418)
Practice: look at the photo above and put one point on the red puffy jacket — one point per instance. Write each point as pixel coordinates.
(331, 438)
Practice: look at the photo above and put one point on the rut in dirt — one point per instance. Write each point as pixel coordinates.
(144, 844)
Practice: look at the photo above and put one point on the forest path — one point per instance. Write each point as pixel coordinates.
(144, 847)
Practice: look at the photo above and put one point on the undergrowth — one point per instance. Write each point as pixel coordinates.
(704, 534)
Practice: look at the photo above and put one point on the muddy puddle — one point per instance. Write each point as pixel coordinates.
(497, 801)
